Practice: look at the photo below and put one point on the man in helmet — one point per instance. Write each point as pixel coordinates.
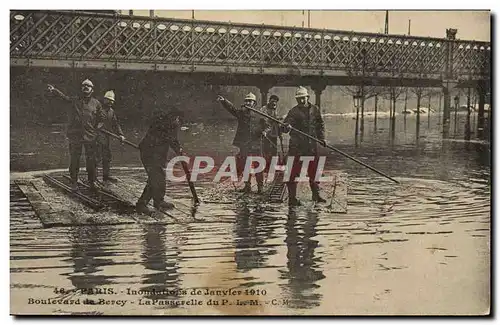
(251, 127)
(305, 117)
(270, 141)
(84, 116)
(110, 123)
(154, 147)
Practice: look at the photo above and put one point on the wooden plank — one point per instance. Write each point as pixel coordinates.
(228, 191)
(106, 195)
(184, 211)
(48, 216)
(102, 217)
(20, 209)
(129, 193)
(58, 183)
(79, 216)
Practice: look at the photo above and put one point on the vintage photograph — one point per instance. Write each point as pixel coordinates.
(250, 162)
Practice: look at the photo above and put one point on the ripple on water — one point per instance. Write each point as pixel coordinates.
(295, 255)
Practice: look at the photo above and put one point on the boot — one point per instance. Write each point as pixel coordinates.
(164, 205)
(94, 186)
(142, 208)
(315, 193)
(108, 178)
(292, 195)
(294, 203)
(260, 188)
(74, 186)
(247, 188)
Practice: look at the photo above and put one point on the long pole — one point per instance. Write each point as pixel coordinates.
(184, 164)
(327, 146)
(118, 137)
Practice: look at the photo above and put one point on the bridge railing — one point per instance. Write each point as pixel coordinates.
(89, 36)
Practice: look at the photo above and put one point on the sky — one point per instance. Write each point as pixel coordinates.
(471, 25)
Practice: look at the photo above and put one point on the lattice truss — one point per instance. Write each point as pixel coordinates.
(69, 35)
(471, 59)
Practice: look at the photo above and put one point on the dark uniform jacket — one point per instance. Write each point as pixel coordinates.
(84, 117)
(160, 137)
(306, 119)
(274, 129)
(110, 123)
(250, 127)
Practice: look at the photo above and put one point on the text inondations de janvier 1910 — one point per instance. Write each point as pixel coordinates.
(191, 297)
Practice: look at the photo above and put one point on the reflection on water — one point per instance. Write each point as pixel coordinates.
(303, 267)
(160, 259)
(419, 247)
(252, 230)
(90, 253)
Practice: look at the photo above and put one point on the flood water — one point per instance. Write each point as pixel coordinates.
(421, 247)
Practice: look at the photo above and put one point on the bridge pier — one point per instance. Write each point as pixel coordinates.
(448, 82)
(263, 95)
(448, 87)
(467, 125)
(481, 91)
(318, 90)
(264, 92)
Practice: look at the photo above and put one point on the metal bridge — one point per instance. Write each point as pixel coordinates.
(106, 41)
(248, 54)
